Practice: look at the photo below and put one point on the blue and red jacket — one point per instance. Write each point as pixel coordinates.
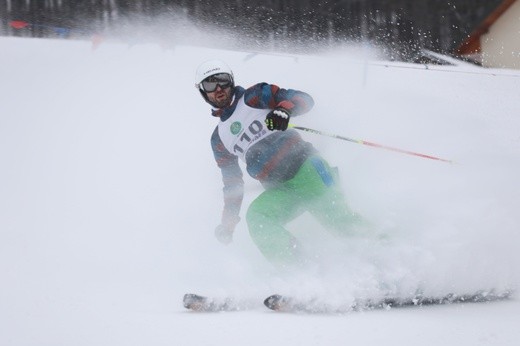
(274, 159)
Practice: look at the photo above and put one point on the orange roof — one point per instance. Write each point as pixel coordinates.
(472, 43)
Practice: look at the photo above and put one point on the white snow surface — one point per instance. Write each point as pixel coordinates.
(110, 195)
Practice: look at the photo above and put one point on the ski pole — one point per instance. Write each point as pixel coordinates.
(375, 145)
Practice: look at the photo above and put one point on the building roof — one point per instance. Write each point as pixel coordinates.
(472, 43)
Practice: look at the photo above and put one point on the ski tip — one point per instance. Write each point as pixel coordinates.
(194, 302)
(271, 299)
(276, 302)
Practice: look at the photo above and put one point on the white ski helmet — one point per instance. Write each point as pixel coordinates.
(210, 68)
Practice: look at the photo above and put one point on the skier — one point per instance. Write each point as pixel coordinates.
(253, 126)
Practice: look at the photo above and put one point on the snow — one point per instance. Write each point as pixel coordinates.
(110, 194)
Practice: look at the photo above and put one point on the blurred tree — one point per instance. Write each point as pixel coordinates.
(402, 26)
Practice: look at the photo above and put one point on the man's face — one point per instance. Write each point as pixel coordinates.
(218, 89)
(220, 97)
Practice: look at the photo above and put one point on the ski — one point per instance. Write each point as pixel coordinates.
(283, 303)
(195, 302)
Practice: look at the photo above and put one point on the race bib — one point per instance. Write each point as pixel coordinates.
(243, 129)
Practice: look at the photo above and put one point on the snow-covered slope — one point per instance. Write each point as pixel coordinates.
(109, 197)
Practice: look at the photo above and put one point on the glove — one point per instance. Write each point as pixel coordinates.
(224, 231)
(278, 119)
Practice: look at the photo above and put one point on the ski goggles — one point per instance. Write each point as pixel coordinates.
(210, 84)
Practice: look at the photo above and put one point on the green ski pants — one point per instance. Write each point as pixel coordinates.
(315, 189)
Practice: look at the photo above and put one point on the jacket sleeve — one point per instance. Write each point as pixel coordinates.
(270, 96)
(233, 191)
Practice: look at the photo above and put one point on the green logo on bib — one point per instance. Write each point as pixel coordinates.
(236, 127)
